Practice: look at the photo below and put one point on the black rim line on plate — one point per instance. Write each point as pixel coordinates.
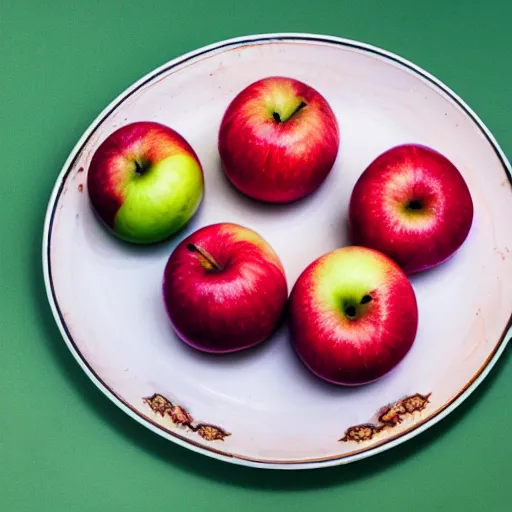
(215, 48)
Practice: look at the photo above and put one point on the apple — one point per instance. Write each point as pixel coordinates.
(278, 140)
(353, 316)
(224, 288)
(412, 204)
(145, 182)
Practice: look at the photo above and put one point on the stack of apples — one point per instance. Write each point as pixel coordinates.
(353, 312)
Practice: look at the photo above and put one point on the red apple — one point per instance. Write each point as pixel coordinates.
(224, 288)
(353, 315)
(278, 140)
(412, 204)
(145, 182)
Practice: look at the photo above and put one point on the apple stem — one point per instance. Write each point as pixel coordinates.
(415, 204)
(350, 311)
(278, 119)
(206, 255)
(140, 168)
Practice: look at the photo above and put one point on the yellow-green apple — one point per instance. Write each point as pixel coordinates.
(145, 182)
(278, 140)
(224, 288)
(412, 204)
(353, 315)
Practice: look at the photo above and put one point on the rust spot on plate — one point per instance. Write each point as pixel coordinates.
(78, 171)
(80, 188)
(501, 254)
(388, 418)
(180, 416)
(210, 432)
(360, 433)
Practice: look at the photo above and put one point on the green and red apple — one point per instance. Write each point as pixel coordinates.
(145, 182)
(224, 288)
(353, 316)
(278, 140)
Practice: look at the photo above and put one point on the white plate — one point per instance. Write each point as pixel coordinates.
(106, 295)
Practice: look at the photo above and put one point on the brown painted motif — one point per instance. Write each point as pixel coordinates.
(388, 418)
(180, 416)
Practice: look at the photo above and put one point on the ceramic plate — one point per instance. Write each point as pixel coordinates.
(261, 407)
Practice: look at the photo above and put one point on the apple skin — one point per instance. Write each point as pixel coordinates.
(358, 346)
(413, 205)
(232, 304)
(278, 140)
(145, 182)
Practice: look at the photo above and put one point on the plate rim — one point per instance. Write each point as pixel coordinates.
(241, 41)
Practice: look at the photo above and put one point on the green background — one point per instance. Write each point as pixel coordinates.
(63, 445)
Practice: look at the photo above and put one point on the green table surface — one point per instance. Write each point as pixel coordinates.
(63, 445)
